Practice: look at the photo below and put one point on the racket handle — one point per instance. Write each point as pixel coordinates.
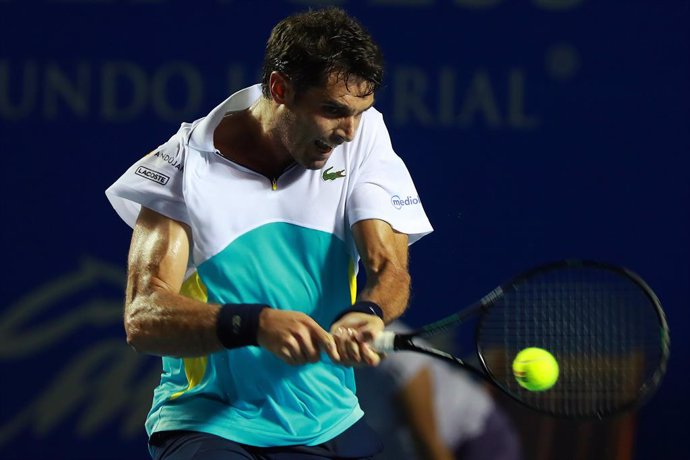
(384, 342)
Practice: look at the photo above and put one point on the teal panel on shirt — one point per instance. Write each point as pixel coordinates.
(287, 267)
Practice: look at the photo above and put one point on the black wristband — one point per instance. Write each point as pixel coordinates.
(363, 306)
(237, 325)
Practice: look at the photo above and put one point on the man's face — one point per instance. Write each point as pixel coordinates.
(320, 119)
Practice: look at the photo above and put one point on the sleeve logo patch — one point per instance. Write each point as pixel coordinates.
(399, 203)
(152, 175)
(171, 160)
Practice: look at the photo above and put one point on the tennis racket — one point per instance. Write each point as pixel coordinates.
(602, 323)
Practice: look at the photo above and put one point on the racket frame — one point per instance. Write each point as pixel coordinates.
(389, 341)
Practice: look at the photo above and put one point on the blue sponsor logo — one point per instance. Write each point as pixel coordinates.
(398, 202)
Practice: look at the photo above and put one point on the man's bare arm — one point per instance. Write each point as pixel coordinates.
(158, 320)
(161, 321)
(384, 256)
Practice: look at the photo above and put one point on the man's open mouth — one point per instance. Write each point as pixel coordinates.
(325, 148)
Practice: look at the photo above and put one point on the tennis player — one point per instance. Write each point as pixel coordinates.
(249, 225)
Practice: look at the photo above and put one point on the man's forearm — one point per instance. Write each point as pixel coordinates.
(389, 287)
(384, 256)
(167, 324)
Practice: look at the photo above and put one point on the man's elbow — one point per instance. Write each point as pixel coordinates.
(133, 334)
(134, 327)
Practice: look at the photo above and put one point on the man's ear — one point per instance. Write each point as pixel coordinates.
(280, 88)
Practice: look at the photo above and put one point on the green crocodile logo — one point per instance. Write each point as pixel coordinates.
(333, 175)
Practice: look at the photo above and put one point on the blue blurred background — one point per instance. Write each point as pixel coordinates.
(535, 130)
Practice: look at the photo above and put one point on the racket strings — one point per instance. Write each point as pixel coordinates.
(601, 327)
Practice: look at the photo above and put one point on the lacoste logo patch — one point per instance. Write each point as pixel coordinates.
(327, 175)
(152, 175)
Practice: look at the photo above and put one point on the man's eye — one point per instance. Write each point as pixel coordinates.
(330, 110)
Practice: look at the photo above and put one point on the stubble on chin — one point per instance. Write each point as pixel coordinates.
(316, 165)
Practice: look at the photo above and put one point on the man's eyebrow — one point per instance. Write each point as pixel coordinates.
(345, 109)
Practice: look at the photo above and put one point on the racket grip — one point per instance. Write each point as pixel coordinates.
(384, 342)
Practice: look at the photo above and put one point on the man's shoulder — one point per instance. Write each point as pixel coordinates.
(371, 128)
(373, 117)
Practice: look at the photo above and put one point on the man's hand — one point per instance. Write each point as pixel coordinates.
(353, 335)
(294, 337)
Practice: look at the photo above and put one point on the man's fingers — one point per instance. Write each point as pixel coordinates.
(352, 350)
(371, 357)
(340, 339)
(304, 340)
(308, 348)
(315, 339)
(319, 339)
(327, 343)
(299, 349)
(365, 327)
(349, 322)
(367, 335)
(348, 347)
(286, 355)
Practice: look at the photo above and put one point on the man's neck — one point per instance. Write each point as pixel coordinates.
(247, 138)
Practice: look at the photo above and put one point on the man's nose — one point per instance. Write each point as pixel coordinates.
(346, 130)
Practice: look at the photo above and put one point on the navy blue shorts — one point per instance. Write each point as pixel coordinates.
(357, 442)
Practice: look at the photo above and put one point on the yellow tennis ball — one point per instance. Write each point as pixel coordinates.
(535, 369)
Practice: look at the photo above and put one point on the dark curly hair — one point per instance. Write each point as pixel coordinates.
(308, 47)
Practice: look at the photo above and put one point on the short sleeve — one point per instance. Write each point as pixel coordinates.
(156, 182)
(383, 188)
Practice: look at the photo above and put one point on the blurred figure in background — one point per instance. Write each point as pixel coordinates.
(426, 409)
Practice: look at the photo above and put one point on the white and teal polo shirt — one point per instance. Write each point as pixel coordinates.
(286, 243)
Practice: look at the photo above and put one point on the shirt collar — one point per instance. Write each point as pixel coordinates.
(201, 137)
